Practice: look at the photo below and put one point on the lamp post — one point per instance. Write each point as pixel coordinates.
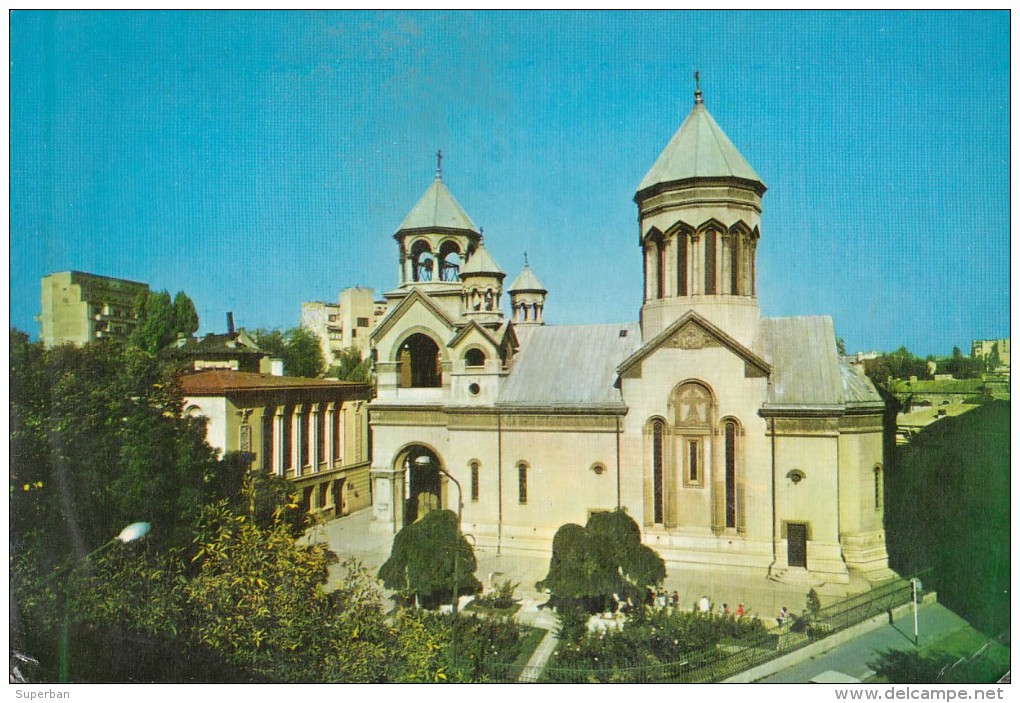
(915, 586)
(134, 531)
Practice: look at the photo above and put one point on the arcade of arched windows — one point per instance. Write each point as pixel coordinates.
(709, 260)
(694, 451)
(527, 312)
(481, 299)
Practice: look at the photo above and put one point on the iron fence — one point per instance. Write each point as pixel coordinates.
(732, 656)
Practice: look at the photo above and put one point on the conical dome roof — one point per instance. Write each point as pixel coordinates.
(699, 149)
(481, 263)
(437, 210)
(527, 281)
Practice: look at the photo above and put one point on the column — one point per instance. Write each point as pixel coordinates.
(330, 439)
(435, 268)
(313, 437)
(295, 440)
(278, 430)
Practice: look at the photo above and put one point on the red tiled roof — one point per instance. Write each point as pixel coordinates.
(216, 381)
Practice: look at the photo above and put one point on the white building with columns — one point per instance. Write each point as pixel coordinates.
(313, 432)
(737, 442)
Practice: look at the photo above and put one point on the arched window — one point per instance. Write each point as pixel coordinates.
(338, 432)
(475, 481)
(735, 263)
(660, 268)
(693, 405)
(420, 365)
(730, 441)
(681, 263)
(710, 237)
(288, 438)
(522, 484)
(320, 435)
(878, 487)
(474, 357)
(421, 261)
(449, 261)
(268, 414)
(658, 474)
(303, 434)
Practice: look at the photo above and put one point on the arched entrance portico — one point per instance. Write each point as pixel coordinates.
(423, 488)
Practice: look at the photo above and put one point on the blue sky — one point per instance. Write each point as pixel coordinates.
(257, 160)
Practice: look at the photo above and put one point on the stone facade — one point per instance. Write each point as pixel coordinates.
(736, 441)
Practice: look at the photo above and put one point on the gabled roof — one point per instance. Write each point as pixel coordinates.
(415, 296)
(699, 149)
(437, 210)
(481, 262)
(527, 281)
(692, 318)
(570, 366)
(463, 332)
(806, 369)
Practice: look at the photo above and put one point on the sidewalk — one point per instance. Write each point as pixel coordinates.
(856, 657)
(352, 536)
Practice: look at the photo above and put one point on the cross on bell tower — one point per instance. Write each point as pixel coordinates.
(439, 165)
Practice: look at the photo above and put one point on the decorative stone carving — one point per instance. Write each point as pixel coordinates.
(693, 337)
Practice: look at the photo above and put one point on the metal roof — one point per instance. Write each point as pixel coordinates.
(570, 365)
(857, 387)
(437, 210)
(526, 280)
(805, 363)
(481, 262)
(699, 149)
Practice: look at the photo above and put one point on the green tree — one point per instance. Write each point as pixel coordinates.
(351, 367)
(298, 347)
(303, 355)
(840, 346)
(961, 366)
(425, 557)
(185, 315)
(589, 564)
(155, 327)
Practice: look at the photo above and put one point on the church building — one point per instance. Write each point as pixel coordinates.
(735, 441)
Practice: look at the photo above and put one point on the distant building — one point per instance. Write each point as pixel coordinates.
(233, 351)
(314, 432)
(80, 307)
(984, 348)
(345, 324)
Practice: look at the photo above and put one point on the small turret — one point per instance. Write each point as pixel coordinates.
(527, 297)
(483, 287)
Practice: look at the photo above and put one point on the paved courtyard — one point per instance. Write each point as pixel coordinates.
(352, 536)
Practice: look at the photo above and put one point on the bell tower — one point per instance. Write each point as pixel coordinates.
(699, 210)
(436, 238)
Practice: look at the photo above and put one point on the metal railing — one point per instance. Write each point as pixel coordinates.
(731, 656)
